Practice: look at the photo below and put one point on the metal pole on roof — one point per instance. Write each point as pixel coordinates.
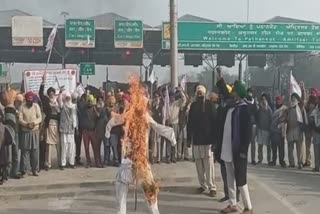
(64, 14)
(246, 79)
(174, 42)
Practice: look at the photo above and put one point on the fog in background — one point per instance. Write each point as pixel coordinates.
(153, 12)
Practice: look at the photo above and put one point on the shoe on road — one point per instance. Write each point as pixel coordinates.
(230, 209)
(213, 193)
(307, 164)
(201, 190)
(224, 199)
(283, 164)
(247, 211)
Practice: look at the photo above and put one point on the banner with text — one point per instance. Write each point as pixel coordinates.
(66, 78)
(27, 31)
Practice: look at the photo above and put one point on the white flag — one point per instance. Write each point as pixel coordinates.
(183, 82)
(79, 91)
(152, 77)
(166, 107)
(294, 86)
(51, 38)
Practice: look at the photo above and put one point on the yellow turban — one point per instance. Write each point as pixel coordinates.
(202, 89)
(229, 88)
(91, 99)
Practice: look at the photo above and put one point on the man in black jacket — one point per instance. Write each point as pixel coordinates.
(201, 132)
(234, 149)
(253, 110)
(224, 100)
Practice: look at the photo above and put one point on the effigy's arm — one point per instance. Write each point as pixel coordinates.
(115, 120)
(162, 130)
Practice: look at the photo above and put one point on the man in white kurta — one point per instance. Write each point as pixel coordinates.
(67, 126)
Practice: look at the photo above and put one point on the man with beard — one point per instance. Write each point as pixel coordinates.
(277, 133)
(224, 100)
(30, 119)
(233, 148)
(315, 124)
(81, 104)
(15, 147)
(264, 119)
(101, 127)
(201, 131)
(111, 107)
(51, 110)
(157, 142)
(296, 119)
(253, 109)
(90, 118)
(7, 131)
(310, 106)
(67, 126)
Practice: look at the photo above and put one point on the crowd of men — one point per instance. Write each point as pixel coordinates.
(220, 128)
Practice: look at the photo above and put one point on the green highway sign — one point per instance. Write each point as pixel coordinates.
(87, 68)
(80, 33)
(128, 34)
(1, 71)
(244, 37)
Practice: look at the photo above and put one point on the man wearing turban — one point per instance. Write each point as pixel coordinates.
(90, 119)
(51, 110)
(310, 106)
(67, 126)
(7, 131)
(30, 119)
(233, 143)
(297, 120)
(201, 132)
(278, 133)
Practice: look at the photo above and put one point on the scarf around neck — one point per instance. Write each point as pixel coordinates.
(316, 115)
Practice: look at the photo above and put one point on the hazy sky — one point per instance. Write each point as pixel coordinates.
(153, 12)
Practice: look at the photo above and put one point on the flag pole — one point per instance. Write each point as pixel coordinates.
(48, 60)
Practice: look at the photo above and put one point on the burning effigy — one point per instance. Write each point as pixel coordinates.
(135, 167)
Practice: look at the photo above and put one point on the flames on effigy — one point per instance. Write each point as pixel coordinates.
(135, 141)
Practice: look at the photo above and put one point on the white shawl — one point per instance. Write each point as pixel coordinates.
(300, 113)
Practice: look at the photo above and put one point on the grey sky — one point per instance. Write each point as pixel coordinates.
(153, 12)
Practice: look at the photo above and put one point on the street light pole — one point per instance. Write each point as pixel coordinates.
(64, 14)
(248, 10)
(174, 42)
(246, 79)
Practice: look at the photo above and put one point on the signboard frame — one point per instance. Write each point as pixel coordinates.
(302, 43)
(126, 43)
(89, 73)
(27, 31)
(79, 43)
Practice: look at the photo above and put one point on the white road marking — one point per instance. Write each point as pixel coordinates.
(60, 204)
(276, 195)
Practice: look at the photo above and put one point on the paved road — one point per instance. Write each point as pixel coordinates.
(297, 190)
(273, 190)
